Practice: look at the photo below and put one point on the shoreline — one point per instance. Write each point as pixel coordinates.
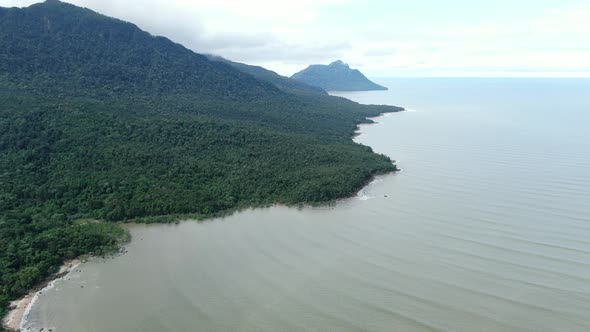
(372, 121)
(178, 218)
(18, 309)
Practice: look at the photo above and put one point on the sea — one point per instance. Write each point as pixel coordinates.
(485, 228)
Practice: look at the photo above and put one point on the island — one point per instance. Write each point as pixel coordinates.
(337, 76)
(103, 123)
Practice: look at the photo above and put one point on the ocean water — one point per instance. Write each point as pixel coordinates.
(486, 228)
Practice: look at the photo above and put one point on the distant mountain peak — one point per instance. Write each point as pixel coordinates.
(338, 63)
(53, 2)
(337, 76)
(53, 6)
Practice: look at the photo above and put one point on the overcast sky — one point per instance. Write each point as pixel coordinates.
(383, 38)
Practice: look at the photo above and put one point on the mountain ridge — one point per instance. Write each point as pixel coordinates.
(284, 83)
(141, 67)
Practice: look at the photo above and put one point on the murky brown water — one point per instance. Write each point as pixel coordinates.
(487, 228)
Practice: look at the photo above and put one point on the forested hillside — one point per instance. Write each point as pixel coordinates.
(102, 121)
(284, 83)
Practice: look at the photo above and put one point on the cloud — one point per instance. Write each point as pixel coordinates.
(17, 3)
(382, 38)
(237, 30)
(553, 43)
(380, 52)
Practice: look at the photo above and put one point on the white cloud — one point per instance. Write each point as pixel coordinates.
(553, 44)
(257, 31)
(288, 35)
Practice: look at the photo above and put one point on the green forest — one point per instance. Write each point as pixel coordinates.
(102, 123)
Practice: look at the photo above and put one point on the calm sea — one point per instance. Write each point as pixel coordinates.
(487, 228)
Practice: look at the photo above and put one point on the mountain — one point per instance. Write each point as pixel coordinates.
(284, 83)
(101, 121)
(58, 42)
(337, 76)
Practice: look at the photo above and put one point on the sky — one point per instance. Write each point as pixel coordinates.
(382, 38)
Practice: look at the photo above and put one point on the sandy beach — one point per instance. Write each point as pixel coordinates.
(18, 308)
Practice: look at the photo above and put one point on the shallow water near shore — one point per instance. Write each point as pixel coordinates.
(487, 228)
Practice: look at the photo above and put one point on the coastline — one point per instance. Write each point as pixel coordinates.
(18, 310)
(15, 319)
(177, 218)
(372, 120)
(358, 133)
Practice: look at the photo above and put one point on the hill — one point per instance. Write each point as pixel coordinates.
(101, 121)
(337, 76)
(284, 83)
